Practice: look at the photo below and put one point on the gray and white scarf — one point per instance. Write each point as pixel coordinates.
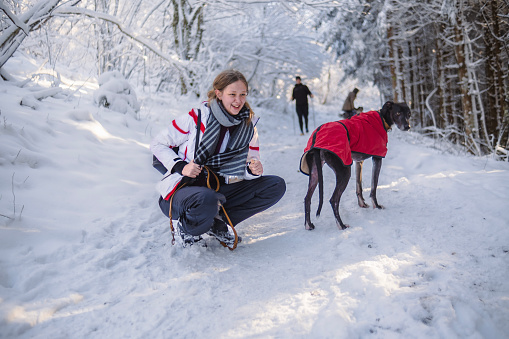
(232, 162)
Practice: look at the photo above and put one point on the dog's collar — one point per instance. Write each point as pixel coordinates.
(386, 125)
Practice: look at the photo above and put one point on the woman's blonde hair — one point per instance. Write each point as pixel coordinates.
(225, 78)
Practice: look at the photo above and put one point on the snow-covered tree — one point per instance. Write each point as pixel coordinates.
(446, 59)
(15, 27)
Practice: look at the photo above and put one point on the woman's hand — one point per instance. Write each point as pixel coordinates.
(191, 170)
(255, 166)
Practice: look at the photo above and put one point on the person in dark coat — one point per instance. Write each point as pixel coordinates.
(349, 109)
(300, 95)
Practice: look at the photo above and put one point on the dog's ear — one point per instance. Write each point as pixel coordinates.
(388, 104)
(386, 107)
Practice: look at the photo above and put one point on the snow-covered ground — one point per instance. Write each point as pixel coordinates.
(85, 251)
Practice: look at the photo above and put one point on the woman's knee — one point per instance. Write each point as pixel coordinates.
(198, 217)
(275, 186)
(280, 186)
(191, 199)
(207, 197)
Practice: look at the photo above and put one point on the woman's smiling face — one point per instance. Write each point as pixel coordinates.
(233, 97)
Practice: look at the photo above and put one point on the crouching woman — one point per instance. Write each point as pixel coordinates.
(217, 163)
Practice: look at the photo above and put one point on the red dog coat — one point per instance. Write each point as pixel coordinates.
(364, 133)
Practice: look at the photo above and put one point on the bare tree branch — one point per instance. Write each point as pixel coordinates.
(171, 59)
(13, 36)
(14, 18)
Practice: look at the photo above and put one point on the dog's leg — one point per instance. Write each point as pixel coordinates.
(358, 186)
(319, 169)
(377, 165)
(343, 174)
(313, 182)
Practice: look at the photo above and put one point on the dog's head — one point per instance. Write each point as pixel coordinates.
(397, 113)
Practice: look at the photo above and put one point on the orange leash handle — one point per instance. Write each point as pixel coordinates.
(171, 219)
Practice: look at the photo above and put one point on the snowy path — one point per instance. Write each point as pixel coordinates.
(433, 264)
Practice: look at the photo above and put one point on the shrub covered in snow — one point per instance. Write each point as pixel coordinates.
(116, 93)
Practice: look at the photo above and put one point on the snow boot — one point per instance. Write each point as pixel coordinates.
(188, 239)
(223, 233)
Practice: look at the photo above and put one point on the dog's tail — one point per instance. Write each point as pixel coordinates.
(318, 163)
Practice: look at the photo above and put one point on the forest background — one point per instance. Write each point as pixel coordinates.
(85, 251)
(448, 59)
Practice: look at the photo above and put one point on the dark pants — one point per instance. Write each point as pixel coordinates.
(196, 206)
(302, 112)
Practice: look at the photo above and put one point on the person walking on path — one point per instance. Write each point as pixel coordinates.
(217, 147)
(300, 95)
(349, 109)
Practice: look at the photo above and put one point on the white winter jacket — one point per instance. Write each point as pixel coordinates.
(181, 133)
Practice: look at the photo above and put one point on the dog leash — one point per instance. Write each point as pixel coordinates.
(224, 210)
(220, 204)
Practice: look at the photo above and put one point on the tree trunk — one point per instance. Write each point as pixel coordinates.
(442, 113)
(495, 121)
(401, 74)
(411, 71)
(187, 36)
(462, 76)
(420, 87)
(392, 63)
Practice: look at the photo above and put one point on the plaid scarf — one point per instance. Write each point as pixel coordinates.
(232, 162)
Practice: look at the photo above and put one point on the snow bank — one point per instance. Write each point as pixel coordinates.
(116, 93)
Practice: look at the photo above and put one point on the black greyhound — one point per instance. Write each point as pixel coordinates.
(390, 114)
